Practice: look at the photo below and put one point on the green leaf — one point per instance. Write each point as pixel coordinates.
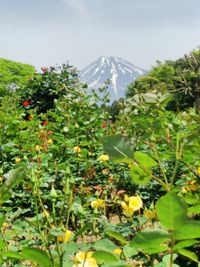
(194, 209)
(68, 251)
(144, 160)
(185, 244)
(139, 176)
(167, 258)
(12, 254)
(56, 232)
(151, 241)
(188, 254)
(116, 235)
(36, 255)
(12, 178)
(150, 98)
(2, 219)
(171, 211)
(189, 230)
(2, 244)
(104, 256)
(129, 251)
(118, 149)
(81, 231)
(166, 261)
(191, 200)
(105, 244)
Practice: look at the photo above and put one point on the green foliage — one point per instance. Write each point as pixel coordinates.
(175, 209)
(118, 149)
(36, 255)
(151, 241)
(181, 77)
(132, 200)
(42, 91)
(13, 75)
(12, 178)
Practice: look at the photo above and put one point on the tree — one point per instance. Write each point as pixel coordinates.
(45, 88)
(187, 78)
(159, 79)
(180, 77)
(13, 75)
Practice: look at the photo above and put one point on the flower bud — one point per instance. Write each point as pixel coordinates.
(53, 193)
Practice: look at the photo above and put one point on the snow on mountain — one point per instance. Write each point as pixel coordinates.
(118, 71)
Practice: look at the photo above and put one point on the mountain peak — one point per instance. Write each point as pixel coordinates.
(118, 71)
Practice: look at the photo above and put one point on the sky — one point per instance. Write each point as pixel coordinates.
(50, 32)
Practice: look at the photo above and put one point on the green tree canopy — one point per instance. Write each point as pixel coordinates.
(13, 75)
(180, 77)
(46, 87)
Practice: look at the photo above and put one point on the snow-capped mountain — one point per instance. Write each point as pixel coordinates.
(118, 71)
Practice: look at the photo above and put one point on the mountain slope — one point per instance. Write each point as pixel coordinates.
(119, 71)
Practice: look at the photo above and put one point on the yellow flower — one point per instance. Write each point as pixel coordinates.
(135, 203)
(104, 158)
(77, 149)
(117, 251)
(17, 160)
(1, 178)
(126, 198)
(84, 259)
(198, 170)
(50, 141)
(97, 203)
(131, 204)
(68, 235)
(37, 148)
(127, 211)
(150, 214)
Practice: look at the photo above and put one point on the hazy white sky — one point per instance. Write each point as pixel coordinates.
(49, 32)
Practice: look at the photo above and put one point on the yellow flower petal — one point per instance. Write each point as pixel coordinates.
(135, 203)
(97, 203)
(68, 235)
(128, 212)
(117, 251)
(77, 149)
(17, 160)
(84, 259)
(103, 158)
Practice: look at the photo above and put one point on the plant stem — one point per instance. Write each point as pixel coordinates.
(161, 167)
(172, 250)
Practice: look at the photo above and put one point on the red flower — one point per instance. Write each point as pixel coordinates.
(104, 124)
(44, 69)
(25, 103)
(44, 123)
